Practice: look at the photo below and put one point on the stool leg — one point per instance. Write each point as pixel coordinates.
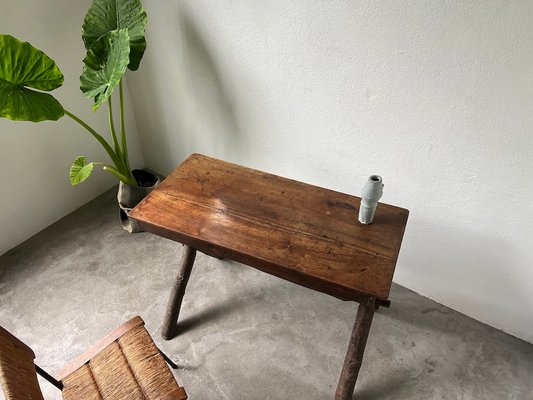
(178, 291)
(356, 348)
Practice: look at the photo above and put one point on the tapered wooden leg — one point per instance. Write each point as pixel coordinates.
(178, 291)
(356, 348)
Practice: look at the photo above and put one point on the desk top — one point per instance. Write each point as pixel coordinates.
(299, 232)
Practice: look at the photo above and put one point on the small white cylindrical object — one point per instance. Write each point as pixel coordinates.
(372, 192)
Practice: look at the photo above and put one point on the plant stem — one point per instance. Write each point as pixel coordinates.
(112, 126)
(120, 176)
(123, 128)
(116, 159)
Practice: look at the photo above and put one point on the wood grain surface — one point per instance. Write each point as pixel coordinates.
(296, 231)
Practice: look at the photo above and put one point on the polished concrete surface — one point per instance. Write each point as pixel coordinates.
(245, 335)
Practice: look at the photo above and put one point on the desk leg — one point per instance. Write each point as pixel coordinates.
(356, 348)
(178, 291)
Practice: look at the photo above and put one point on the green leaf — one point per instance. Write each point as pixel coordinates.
(80, 170)
(105, 16)
(105, 64)
(22, 66)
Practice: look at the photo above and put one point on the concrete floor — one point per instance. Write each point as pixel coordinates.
(246, 335)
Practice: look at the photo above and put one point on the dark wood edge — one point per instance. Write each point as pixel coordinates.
(99, 346)
(305, 280)
(382, 303)
(17, 342)
(176, 394)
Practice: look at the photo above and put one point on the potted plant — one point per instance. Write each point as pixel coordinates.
(113, 34)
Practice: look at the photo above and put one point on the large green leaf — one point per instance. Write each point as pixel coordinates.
(80, 170)
(105, 64)
(22, 66)
(105, 16)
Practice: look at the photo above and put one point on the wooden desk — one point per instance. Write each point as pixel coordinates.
(298, 232)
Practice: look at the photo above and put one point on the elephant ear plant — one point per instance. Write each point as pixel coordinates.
(113, 34)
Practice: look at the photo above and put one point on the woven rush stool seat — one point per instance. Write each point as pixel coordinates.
(125, 364)
(17, 370)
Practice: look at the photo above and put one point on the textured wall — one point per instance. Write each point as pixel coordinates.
(35, 158)
(437, 97)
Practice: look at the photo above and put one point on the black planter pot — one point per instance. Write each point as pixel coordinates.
(129, 196)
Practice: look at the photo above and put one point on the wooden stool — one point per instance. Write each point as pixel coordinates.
(302, 233)
(125, 364)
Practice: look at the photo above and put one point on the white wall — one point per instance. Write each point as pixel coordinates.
(437, 97)
(35, 158)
